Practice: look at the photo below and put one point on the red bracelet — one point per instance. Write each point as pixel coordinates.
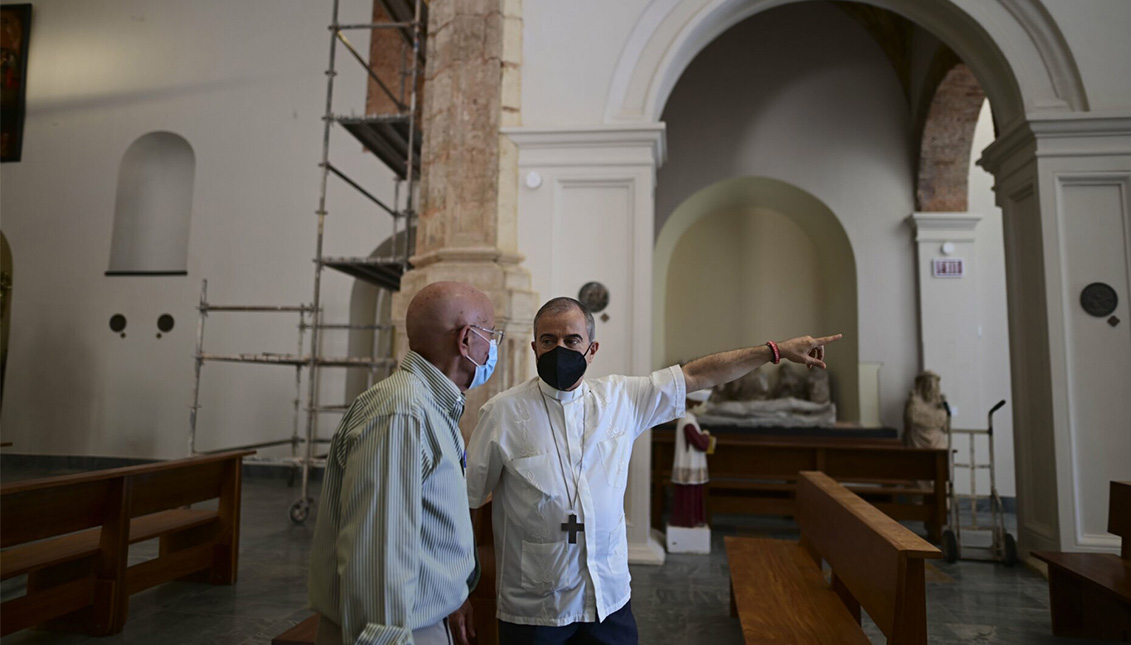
(774, 348)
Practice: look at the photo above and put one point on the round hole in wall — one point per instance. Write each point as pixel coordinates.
(117, 323)
(165, 323)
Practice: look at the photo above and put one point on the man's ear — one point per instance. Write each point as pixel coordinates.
(592, 351)
(534, 348)
(463, 337)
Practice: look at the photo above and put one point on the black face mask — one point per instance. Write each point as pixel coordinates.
(561, 367)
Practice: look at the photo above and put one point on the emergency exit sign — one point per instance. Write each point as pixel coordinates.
(948, 267)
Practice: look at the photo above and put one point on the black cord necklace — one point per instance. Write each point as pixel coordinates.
(571, 526)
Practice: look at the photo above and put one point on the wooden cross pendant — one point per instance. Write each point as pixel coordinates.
(573, 528)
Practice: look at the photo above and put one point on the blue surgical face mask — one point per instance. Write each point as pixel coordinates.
(484, 371)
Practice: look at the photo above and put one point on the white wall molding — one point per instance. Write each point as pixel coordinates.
(1082, 445)
(942, 227)
(608, 145)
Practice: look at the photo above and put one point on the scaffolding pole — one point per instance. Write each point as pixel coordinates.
(395, 140)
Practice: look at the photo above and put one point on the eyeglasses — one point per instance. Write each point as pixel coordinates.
(495, 333)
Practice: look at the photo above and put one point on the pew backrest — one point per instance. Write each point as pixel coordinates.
(877, 563)
(42, 508)
(1119, 515)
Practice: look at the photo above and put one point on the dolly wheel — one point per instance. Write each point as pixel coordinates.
(301, 509)
(1009, 554)
(949, 546)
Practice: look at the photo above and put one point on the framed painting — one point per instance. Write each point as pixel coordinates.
(15, 27)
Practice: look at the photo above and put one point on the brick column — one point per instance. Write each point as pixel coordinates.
(467, 227)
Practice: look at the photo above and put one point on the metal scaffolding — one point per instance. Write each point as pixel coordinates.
(395, 139)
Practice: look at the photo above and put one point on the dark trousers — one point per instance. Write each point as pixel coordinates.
(618, 628)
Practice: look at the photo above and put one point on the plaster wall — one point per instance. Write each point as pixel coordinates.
(243, 83)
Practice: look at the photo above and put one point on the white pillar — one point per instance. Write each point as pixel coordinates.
(1064, 186)
(949, 320)
(586, 213)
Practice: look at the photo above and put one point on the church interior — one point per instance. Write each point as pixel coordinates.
(215, 214)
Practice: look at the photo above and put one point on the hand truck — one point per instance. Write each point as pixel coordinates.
(1003, 548)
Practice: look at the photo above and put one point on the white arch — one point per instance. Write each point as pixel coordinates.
(1013, 46)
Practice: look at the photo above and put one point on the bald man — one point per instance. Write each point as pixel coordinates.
(393, 558)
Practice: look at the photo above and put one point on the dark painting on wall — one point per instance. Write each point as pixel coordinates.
(15, 26)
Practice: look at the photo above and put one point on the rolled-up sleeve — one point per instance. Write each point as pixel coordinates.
(658, 398)
(379, 541)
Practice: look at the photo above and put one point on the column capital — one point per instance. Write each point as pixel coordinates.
(942, 227)
(1089, 134)
(607, 144)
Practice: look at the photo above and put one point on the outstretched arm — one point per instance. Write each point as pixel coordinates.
(724, 367)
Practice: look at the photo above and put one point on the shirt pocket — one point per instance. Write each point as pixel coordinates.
(614, 454)
(536, 477)
(550, 567)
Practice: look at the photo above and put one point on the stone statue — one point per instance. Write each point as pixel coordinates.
(755, 386)
(791, 382)
(818, 385)
(924, 417)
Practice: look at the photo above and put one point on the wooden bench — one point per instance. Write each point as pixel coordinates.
(758, 475)
(781, 595)
(1090, 593)
(71, 535)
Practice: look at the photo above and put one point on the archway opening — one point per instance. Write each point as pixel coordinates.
(371, 321)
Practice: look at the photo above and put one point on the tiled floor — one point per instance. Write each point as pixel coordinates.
(684, 601)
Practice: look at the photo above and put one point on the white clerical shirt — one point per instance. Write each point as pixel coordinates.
(526, 437)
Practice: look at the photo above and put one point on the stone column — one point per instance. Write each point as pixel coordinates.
(467, 227)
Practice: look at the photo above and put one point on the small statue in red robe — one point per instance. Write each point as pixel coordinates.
(689, 471)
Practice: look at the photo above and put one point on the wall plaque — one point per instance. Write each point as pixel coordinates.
(594, 295)
(1099, 299)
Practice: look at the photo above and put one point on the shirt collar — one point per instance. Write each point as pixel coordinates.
(562, 395)
(445, 393)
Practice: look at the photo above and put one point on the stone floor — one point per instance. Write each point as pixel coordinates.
(683, 601)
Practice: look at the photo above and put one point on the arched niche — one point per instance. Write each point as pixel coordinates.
(371, 305)
(153, 209)
(694, 243)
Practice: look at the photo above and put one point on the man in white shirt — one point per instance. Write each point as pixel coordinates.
(554, 454)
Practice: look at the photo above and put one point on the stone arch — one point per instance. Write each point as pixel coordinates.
(816, 220)
(371, 305)
(153, 208)
(945, 145)
(1024, 64)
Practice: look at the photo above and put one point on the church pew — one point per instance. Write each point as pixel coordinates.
(757, 475)
(779, 591)
(71, 535)
(1090, 593)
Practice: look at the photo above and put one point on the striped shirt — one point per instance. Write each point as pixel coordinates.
(393, 546)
